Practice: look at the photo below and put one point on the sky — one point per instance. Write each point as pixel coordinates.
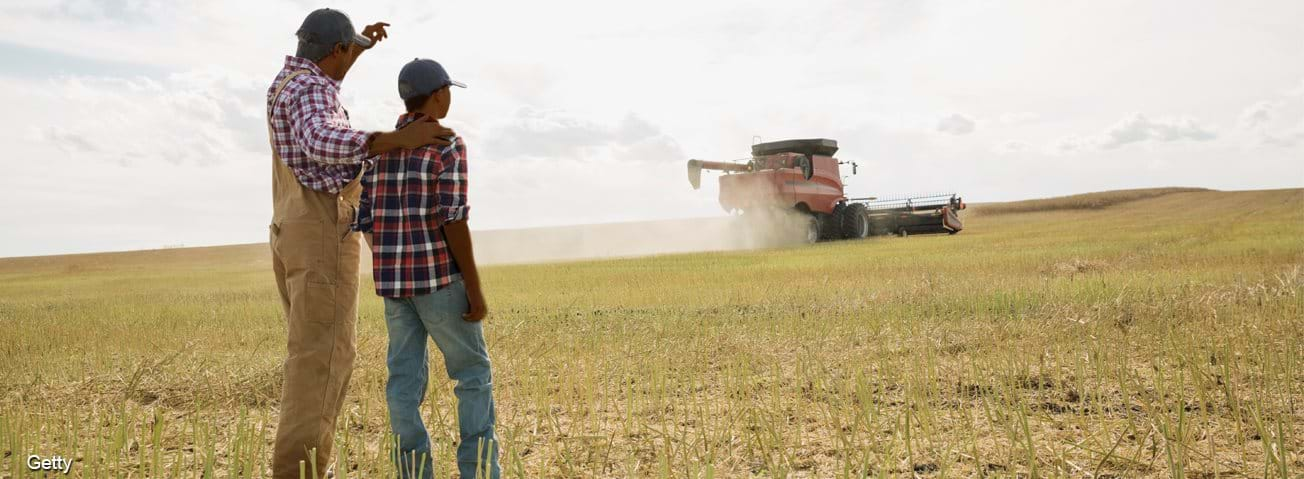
(136, 124)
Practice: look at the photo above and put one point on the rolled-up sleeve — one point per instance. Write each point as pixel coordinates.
(322, 129)
(452, 184)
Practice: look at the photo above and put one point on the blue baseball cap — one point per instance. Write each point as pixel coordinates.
(423, 76)
(327, 26)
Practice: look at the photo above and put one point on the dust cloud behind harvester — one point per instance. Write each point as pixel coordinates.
(642, 238)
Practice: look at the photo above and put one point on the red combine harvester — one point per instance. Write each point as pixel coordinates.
(803, 175)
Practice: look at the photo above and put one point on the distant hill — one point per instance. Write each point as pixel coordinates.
(1084, 201)
(559, 243)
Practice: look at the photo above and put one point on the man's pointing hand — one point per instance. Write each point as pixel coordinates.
(375, 32)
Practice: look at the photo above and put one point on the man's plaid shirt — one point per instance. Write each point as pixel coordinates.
(406, 199)
(310, 129)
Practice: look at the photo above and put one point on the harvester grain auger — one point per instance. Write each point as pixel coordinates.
(802, 176)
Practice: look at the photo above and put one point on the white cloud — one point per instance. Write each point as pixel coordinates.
(1285, 138)
(1258, 114)
(956, 124)
(67, 141)
(534, 132)
(108, 12)
(1010, 147)
(1018, 118)
(1137, 128)
(1298, 91)
(197, 117)
(1072, 144)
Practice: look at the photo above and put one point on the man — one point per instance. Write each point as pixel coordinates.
(414, 210)
(317, 159)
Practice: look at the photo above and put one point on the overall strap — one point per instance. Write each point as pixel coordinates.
(288, 197)
(277, 96)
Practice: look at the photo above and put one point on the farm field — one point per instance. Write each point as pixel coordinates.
(1155, 333)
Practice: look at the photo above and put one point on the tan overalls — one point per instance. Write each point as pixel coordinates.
(315, 259)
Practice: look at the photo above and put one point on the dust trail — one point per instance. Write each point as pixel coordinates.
(770, 221)
(638, 238)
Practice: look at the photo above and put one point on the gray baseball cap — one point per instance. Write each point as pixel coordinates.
(326, 27)
(422, 76)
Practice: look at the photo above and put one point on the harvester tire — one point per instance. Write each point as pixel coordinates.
(830, 226)
(854, 221)
(812, 229)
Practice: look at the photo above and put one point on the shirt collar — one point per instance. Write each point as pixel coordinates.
(293, 63)
(406, 118)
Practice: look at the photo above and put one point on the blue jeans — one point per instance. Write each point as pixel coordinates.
(438, 315)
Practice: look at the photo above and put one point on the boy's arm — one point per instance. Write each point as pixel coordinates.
(459, 240)
(453, 212)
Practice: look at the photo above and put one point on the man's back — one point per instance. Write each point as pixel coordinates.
(310, 128)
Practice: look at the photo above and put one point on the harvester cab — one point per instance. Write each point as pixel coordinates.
(803, 175)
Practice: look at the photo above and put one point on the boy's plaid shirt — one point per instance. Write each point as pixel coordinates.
(310, 128)
(406, 199)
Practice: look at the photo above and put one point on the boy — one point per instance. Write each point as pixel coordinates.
(414, 212)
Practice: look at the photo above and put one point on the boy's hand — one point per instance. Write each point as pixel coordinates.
(459, 241)
(476, 309)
